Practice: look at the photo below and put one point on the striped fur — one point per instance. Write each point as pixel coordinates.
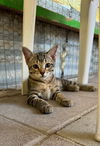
(42, 83)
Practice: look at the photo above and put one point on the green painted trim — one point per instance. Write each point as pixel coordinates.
(55, 17)
(15, 4)
(97, 31)
(45, 13)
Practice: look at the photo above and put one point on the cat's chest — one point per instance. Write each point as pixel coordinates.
(45, 90)
(48, 90)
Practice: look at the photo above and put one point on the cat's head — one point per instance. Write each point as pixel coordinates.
(40, 65)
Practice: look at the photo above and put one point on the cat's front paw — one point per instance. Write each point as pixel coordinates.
(67, 103)
(47, 109)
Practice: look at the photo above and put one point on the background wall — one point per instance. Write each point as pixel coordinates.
(10, 49)
(46, 36)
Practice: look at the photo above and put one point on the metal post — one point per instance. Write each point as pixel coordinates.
(98, 109)
(29, 16)
(88, 16)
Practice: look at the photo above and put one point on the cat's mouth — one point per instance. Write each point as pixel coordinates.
(43, 76)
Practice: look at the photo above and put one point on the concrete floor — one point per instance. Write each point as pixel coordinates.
(23, 125)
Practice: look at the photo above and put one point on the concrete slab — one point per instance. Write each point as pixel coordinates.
(15, 107)
(16, 134)
(55, 140)
(9, 93)
(82, 131)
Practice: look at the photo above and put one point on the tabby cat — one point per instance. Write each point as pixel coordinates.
(42, 83)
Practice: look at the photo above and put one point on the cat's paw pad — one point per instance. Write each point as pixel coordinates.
(91, 89)
(47, 109)
(67, 103)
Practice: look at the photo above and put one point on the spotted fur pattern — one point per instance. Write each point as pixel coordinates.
(42, 83)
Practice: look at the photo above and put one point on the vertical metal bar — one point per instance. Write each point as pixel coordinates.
(14, 50)
(5, 54)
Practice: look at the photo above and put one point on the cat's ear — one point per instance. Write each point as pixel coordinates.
(27, 53)
(52, 52)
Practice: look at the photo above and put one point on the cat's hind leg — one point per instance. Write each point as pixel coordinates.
(61, 99)
(70, 86)
(74, 86)
(42, 105)
(90, 88)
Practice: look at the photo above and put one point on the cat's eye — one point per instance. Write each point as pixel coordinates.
(35, 66)
(47, 65)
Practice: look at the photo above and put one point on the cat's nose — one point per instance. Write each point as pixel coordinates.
(42, 73)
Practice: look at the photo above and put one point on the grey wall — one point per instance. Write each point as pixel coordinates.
(10, 49)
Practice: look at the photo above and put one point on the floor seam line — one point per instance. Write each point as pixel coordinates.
(72, 140)
(66, 123)
(26, 125)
